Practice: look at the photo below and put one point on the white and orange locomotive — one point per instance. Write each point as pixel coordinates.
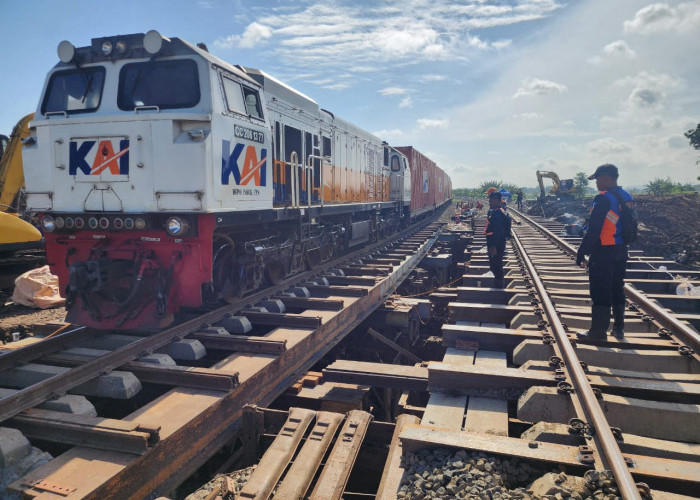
(166, 178)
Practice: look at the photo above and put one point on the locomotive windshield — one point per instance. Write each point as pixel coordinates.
(165, 84)
(74, 91)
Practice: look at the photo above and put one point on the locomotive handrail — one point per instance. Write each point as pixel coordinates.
(321, 159)
(293, 160)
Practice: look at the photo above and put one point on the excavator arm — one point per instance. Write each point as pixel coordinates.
(542, 174)
(11, 172)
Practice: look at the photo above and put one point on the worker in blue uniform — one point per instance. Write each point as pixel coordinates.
(608, 255)
(496, 231)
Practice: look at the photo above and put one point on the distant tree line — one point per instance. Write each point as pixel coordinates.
(661, 186)
(480, 191)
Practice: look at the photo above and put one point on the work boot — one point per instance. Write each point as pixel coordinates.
(600, 320)
(618, 329)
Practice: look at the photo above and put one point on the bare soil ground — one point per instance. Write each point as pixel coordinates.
(669, 225)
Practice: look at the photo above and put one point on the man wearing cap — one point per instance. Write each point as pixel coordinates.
(495, 231)
(608, 255)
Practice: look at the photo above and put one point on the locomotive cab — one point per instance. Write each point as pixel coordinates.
(118, 163)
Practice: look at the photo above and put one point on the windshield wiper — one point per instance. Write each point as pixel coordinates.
(87, 88)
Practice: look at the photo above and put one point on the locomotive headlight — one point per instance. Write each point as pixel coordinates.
(176, 226)
(152, 42)
(140, 223)
(48, 224)
(120, 47)
(60, 222)
(66, 51)
(107, 47)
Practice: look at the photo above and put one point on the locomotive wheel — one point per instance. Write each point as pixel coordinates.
(275, 272)
(221, 273)
(313, 258)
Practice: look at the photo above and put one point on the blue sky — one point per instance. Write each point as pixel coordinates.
(490, 89)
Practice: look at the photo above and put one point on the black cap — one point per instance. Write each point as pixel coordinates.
(495, 194)
(607, 169)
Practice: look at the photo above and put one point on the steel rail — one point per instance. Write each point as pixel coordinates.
(59, 384)
(685, 332)
(608, 448)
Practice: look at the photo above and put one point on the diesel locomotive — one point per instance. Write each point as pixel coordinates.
(166, 178)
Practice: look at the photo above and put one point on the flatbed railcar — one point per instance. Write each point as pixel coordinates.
(166, 177)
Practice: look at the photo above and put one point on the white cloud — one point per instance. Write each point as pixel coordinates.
(390, 134)
(406, 102)
(337, 86)
(252, 36)
(645, 98)
(537, 86)
(391, 32)
(425, 123)
(619, 47)
(433, 78)
(608, 146)
(393, 91)
(528, 116)
(661, 18)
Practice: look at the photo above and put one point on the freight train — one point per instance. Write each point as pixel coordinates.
(166, 178)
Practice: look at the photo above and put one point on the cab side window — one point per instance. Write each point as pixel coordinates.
(252, 103)
(242, 99)
(234, 96)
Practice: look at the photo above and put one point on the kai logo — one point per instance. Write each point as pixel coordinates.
(98, 157)
(243, 164)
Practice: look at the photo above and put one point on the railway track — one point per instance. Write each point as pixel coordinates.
(516, 394)
(464, 391)
(147, 411)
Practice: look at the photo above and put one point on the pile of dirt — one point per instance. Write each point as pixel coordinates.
(669, 224)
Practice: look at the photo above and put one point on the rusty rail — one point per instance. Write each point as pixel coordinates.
(686, 334)
(605, 440)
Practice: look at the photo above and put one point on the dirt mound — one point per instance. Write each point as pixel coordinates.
(669, 225)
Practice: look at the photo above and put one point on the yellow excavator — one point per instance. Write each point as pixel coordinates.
(560, 187)
(15, 233)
